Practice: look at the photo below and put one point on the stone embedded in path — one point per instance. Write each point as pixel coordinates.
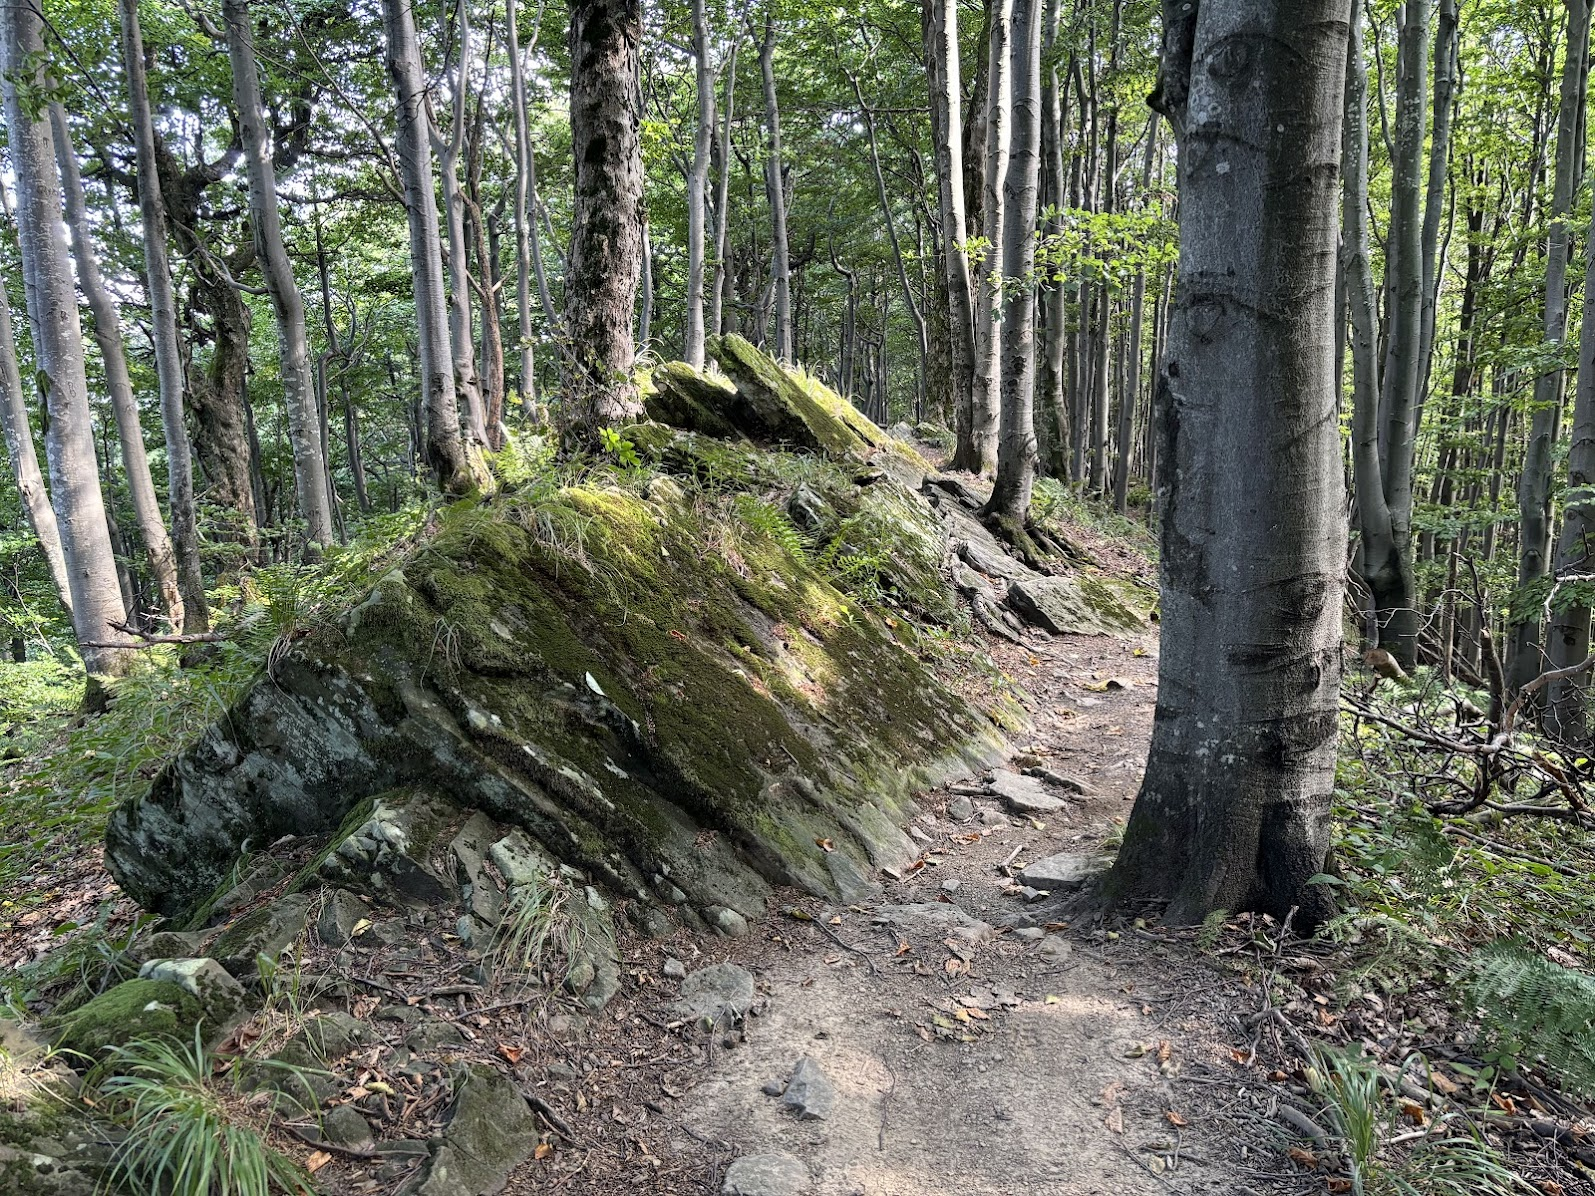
(722, 992)
(1067, 870)
(766, 1175)
(960, 809)
(809, 1093)
(1054, 949)
(339, 917)
(936, 918)
(1024, 795)
(1074, 604)
(674, 969)
(491, 1131)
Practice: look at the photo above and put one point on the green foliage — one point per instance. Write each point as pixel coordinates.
(1536, 1008)
(1451, 1160)
(537, 929)
(190, 1131)
(771, 522)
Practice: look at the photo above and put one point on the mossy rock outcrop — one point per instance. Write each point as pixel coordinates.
(136, 1009)
(679, 709)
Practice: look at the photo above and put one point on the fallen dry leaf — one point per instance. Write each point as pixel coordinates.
(1175, 1119)
(825, 845)
(1114, 1120)
(543, 1150)
(317, 1160)
(512, 1053)
(1303, 1158)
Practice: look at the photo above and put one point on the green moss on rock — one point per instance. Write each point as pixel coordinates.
(132, 1010)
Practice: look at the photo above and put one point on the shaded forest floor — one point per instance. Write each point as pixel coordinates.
(972, 1039)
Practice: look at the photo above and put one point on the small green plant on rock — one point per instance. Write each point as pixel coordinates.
(190, 1131)
(537, 925)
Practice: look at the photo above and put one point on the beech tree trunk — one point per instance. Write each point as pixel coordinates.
(457, 472)
(1016, 455)
(1234, 810)
(946, 101)
(698, 186)
(299, 391)
(58, 350)
(25, 457)
(1534, 483)
(979, 455)
(169, 367)
(775, 186)
(462, 341)
(106, 322)
(525, 219)
(1568, 638)
(722, 200)
(606, 245)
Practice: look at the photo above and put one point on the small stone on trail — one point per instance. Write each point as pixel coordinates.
(991, 816)
(722, 992)
(809, 1093)
(951, 885)
(960, 809)
(727, 921)
(343, 1126)
(674, 969)
(1067, 870)
(937, 918)
(1025, 795)
(773, 1088)
(1029, 934)
(1054, 949)
(766, 1175)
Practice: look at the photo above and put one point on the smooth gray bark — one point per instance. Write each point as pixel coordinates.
(106, 323)
(722, 200)
(942, 54)
(97, 607)
(1234, 810)
(525, 219)
(980, 454)
(462, 340)
(1016, 454)
(170, 369)
(698, 185)
(456, 471)
(288, 306)
(775, 186)
(25, 457)
(1534, 483)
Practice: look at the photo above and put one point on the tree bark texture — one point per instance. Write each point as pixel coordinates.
(444, 445)
(97, 605)
(169, 368)
(1234, 810)
(606, 247)
(299, 391)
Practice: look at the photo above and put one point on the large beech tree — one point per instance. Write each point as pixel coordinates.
(1234, 809)
(606, 245)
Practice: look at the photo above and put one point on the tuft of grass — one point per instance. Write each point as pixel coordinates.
(1383, 1156)
(537, 929)
(190, 1132)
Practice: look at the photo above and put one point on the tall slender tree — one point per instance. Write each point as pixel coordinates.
(1016, 454)
(445, 449)
(698, 184)
(606, 246)
(106, 323)
(288, 305)
(1233, 812)
(775, 187)
(169, 366)
(946, 106)
(97, 607)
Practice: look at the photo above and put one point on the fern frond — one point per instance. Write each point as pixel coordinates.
(1537, 1006)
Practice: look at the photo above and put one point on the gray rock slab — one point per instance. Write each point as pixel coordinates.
(1071, 605)
(1024, 795)
(777, 1174)
(1065, 871)
(720, 992)
(491, 1131)
(809, 1092)
(340, 914)
(936, 918)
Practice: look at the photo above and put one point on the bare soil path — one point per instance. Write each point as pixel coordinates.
(973, 1046)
